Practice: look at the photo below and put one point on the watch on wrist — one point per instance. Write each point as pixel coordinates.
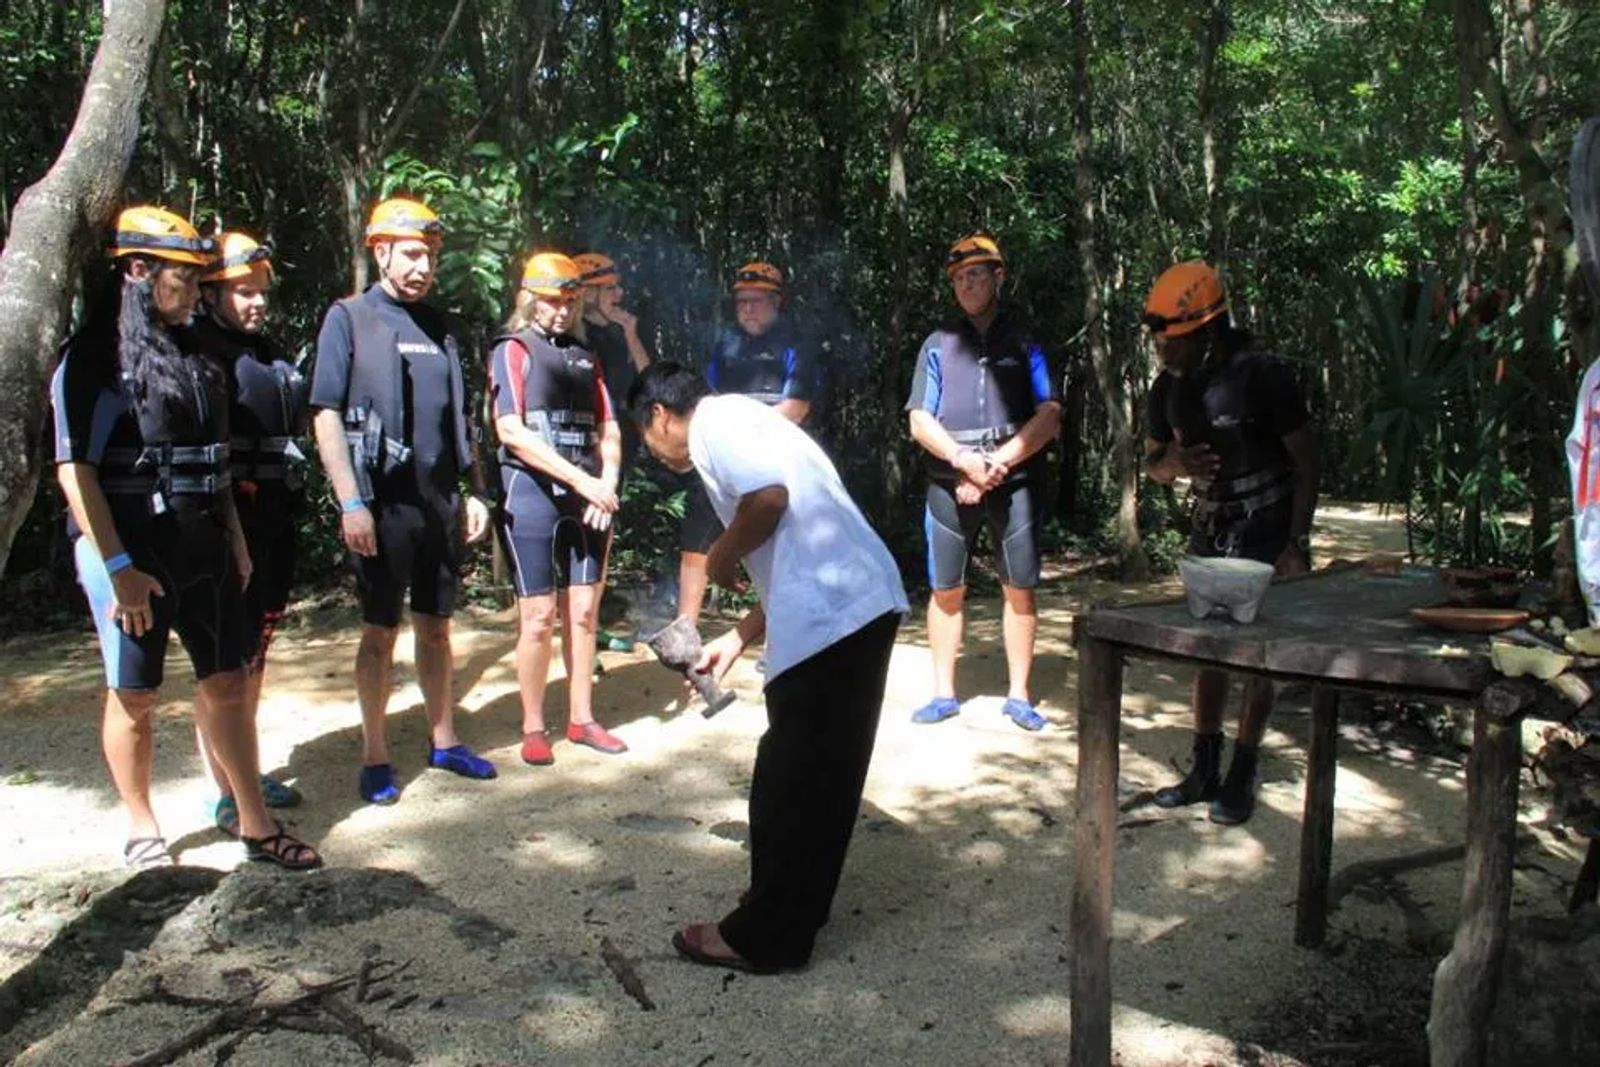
(1303, 543)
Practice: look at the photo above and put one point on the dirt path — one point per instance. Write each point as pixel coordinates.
(947, 943)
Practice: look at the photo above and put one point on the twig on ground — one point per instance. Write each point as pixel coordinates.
(316, 1010)
(625, 974)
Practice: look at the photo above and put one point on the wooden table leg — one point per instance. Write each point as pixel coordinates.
(1099, 724)
(1316, 825)
(1468, 980)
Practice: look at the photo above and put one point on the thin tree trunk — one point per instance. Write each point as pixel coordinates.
(53, 233)
(1548, 234)
(1214, 134)
(1134, 563)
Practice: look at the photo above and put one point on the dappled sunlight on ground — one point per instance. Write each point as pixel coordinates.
(948, 938)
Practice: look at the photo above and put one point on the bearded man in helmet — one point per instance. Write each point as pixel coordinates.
(984, 404)
(1231, 419)
(393, 431)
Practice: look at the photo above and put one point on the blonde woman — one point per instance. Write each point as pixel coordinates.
(560, 452)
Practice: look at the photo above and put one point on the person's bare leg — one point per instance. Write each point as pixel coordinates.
(536, 617)
(1254, 709)
(252, 703)
(436, 676)
(946, 617)
(692, 582)
(128, 739)
(231, 738)
(1019, 625)
(374, 671)
(580, 621)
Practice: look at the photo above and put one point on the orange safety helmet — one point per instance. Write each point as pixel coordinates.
(979, 246)
(154, 231)
(596, 269)
(1185, 298)
(400, 218)
(551, 274)
(758, 276)
(240, 256)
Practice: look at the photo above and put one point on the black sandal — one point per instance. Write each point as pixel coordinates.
(141, 853)
(285, 850)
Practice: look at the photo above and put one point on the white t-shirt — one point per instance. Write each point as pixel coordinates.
(824, 573)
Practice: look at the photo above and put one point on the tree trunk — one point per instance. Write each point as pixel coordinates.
(1133, 561)
(894, 376)
(1548, 234)
(54, 230)
(1215, 142)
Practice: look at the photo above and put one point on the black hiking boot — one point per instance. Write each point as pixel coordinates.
(1204, 775)
(1235, 802)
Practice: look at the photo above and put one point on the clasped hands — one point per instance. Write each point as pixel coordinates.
(980, 472)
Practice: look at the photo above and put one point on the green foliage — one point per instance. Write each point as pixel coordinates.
(685, 139)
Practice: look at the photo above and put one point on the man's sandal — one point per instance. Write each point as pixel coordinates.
(283, 849)
(141, 853)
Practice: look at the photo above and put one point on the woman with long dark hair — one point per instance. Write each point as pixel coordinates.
(560, 450)
(142, 455)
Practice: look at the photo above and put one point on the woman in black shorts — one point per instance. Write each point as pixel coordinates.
(268, 415)
(560, 450)
(142, 454)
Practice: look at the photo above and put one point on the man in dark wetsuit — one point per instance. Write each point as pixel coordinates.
(1231, 419)
(268, 413)
(761, 356)
(392, 429)
(984, 404)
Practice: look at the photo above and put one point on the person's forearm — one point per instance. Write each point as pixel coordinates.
(755, 521)
(80, 484)
(793, 410)
(928, 432)
(1160, 462)
(636, 349)
(1307, 477)
(610, 453)
(1036, 433)
(752, 626)
(328, 428)
(230, 518)
(535, 452)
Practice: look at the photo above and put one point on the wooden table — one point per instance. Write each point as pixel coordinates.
(1336, 630)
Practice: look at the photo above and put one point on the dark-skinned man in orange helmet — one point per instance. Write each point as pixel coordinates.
(1231, 419)
(392, 429)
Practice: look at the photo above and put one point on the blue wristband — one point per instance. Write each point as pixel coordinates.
(119, 562)
(347, 506)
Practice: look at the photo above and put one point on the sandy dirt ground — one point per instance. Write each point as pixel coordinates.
(947, 944)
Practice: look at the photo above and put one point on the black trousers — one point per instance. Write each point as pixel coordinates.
(811, 765)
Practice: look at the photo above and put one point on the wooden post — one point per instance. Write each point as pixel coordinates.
(1316, 825)
(1099, 724)
(1467, 981)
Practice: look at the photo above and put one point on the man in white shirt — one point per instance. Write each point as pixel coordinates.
(831, 601)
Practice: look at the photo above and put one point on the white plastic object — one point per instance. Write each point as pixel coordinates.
(1237, 585)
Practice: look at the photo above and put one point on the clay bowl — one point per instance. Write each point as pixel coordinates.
(1469, 620)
